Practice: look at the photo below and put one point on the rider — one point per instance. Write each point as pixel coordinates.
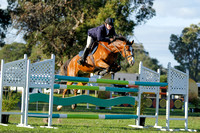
(100, 33)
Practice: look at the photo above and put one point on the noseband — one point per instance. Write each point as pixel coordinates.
(126, 57)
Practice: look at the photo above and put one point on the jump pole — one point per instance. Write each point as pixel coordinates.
(61, 78)
(84, 116)
(97, 88)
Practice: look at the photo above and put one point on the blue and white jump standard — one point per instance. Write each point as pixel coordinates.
(41, 75)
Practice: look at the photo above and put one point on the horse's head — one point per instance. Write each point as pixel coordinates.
(128, 53)
(125, 48)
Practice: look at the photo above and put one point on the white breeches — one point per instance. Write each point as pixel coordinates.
(89, 42)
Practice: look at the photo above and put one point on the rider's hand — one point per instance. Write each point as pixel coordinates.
(111, 39)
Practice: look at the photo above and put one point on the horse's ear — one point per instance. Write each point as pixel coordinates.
(132, 41)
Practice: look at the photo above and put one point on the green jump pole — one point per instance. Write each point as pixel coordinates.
(107, 81)
(98, 88)
(84, 116)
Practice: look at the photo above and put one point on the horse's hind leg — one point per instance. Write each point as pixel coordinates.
(65, 90)
(82, 84)
(75, 93)
(59, 107)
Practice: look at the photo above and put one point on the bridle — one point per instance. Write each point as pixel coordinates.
(126, 57)
(130, 49)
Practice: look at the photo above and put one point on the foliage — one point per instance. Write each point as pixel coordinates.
(60, 27)
(141, 55)
(9, 101)
(37, 54)
(13, 52)
(195, 102)
(5, 21)
(185, 49)
(163, 78)
(143, 105)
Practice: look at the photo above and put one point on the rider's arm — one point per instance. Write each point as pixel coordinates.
(101, 35)
(113, 33)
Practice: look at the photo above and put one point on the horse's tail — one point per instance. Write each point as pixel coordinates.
(63, 70)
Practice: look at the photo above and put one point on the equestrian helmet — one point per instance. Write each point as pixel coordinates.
(109, 21)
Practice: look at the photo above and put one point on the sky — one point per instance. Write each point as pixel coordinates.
(3, 4)
(172, 16)
(12, 33)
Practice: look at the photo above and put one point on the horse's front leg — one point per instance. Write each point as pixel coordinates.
(102, 64)
(115, 67)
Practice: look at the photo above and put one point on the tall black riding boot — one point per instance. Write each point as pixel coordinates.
(82, 60)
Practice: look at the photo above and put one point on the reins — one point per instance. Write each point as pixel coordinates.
(117, 50)
(105, 47)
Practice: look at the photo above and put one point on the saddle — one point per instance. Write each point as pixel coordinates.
(93, 49)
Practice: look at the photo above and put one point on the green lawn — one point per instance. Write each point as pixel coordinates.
(97, 125)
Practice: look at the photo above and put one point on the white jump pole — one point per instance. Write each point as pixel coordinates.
(1, 92)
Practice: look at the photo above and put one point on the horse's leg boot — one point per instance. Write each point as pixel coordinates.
(82, 60)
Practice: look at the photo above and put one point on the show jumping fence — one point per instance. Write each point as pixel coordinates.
(41, 75)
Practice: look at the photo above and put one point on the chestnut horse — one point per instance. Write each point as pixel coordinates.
(103, 60)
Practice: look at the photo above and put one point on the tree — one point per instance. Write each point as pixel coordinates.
(60, 27)
(5, 21)
(12, 52)
(141, 55)
(186, 49)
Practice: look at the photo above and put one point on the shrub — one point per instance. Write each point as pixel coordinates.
(9, 101)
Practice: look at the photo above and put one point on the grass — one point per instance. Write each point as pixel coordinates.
(96, 125)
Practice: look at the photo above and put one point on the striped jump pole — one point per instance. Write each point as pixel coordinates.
(98, 88)
(84, 116)
(61, 78)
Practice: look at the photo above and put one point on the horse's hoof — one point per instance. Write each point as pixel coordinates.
(59, 107)
(59, 120)
(74, 106)
(45, 120)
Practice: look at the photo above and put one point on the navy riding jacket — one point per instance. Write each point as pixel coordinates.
(100, 34)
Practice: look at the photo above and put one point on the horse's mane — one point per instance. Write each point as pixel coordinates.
(121, 38)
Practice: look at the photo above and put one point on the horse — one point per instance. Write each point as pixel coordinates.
(102, 61)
